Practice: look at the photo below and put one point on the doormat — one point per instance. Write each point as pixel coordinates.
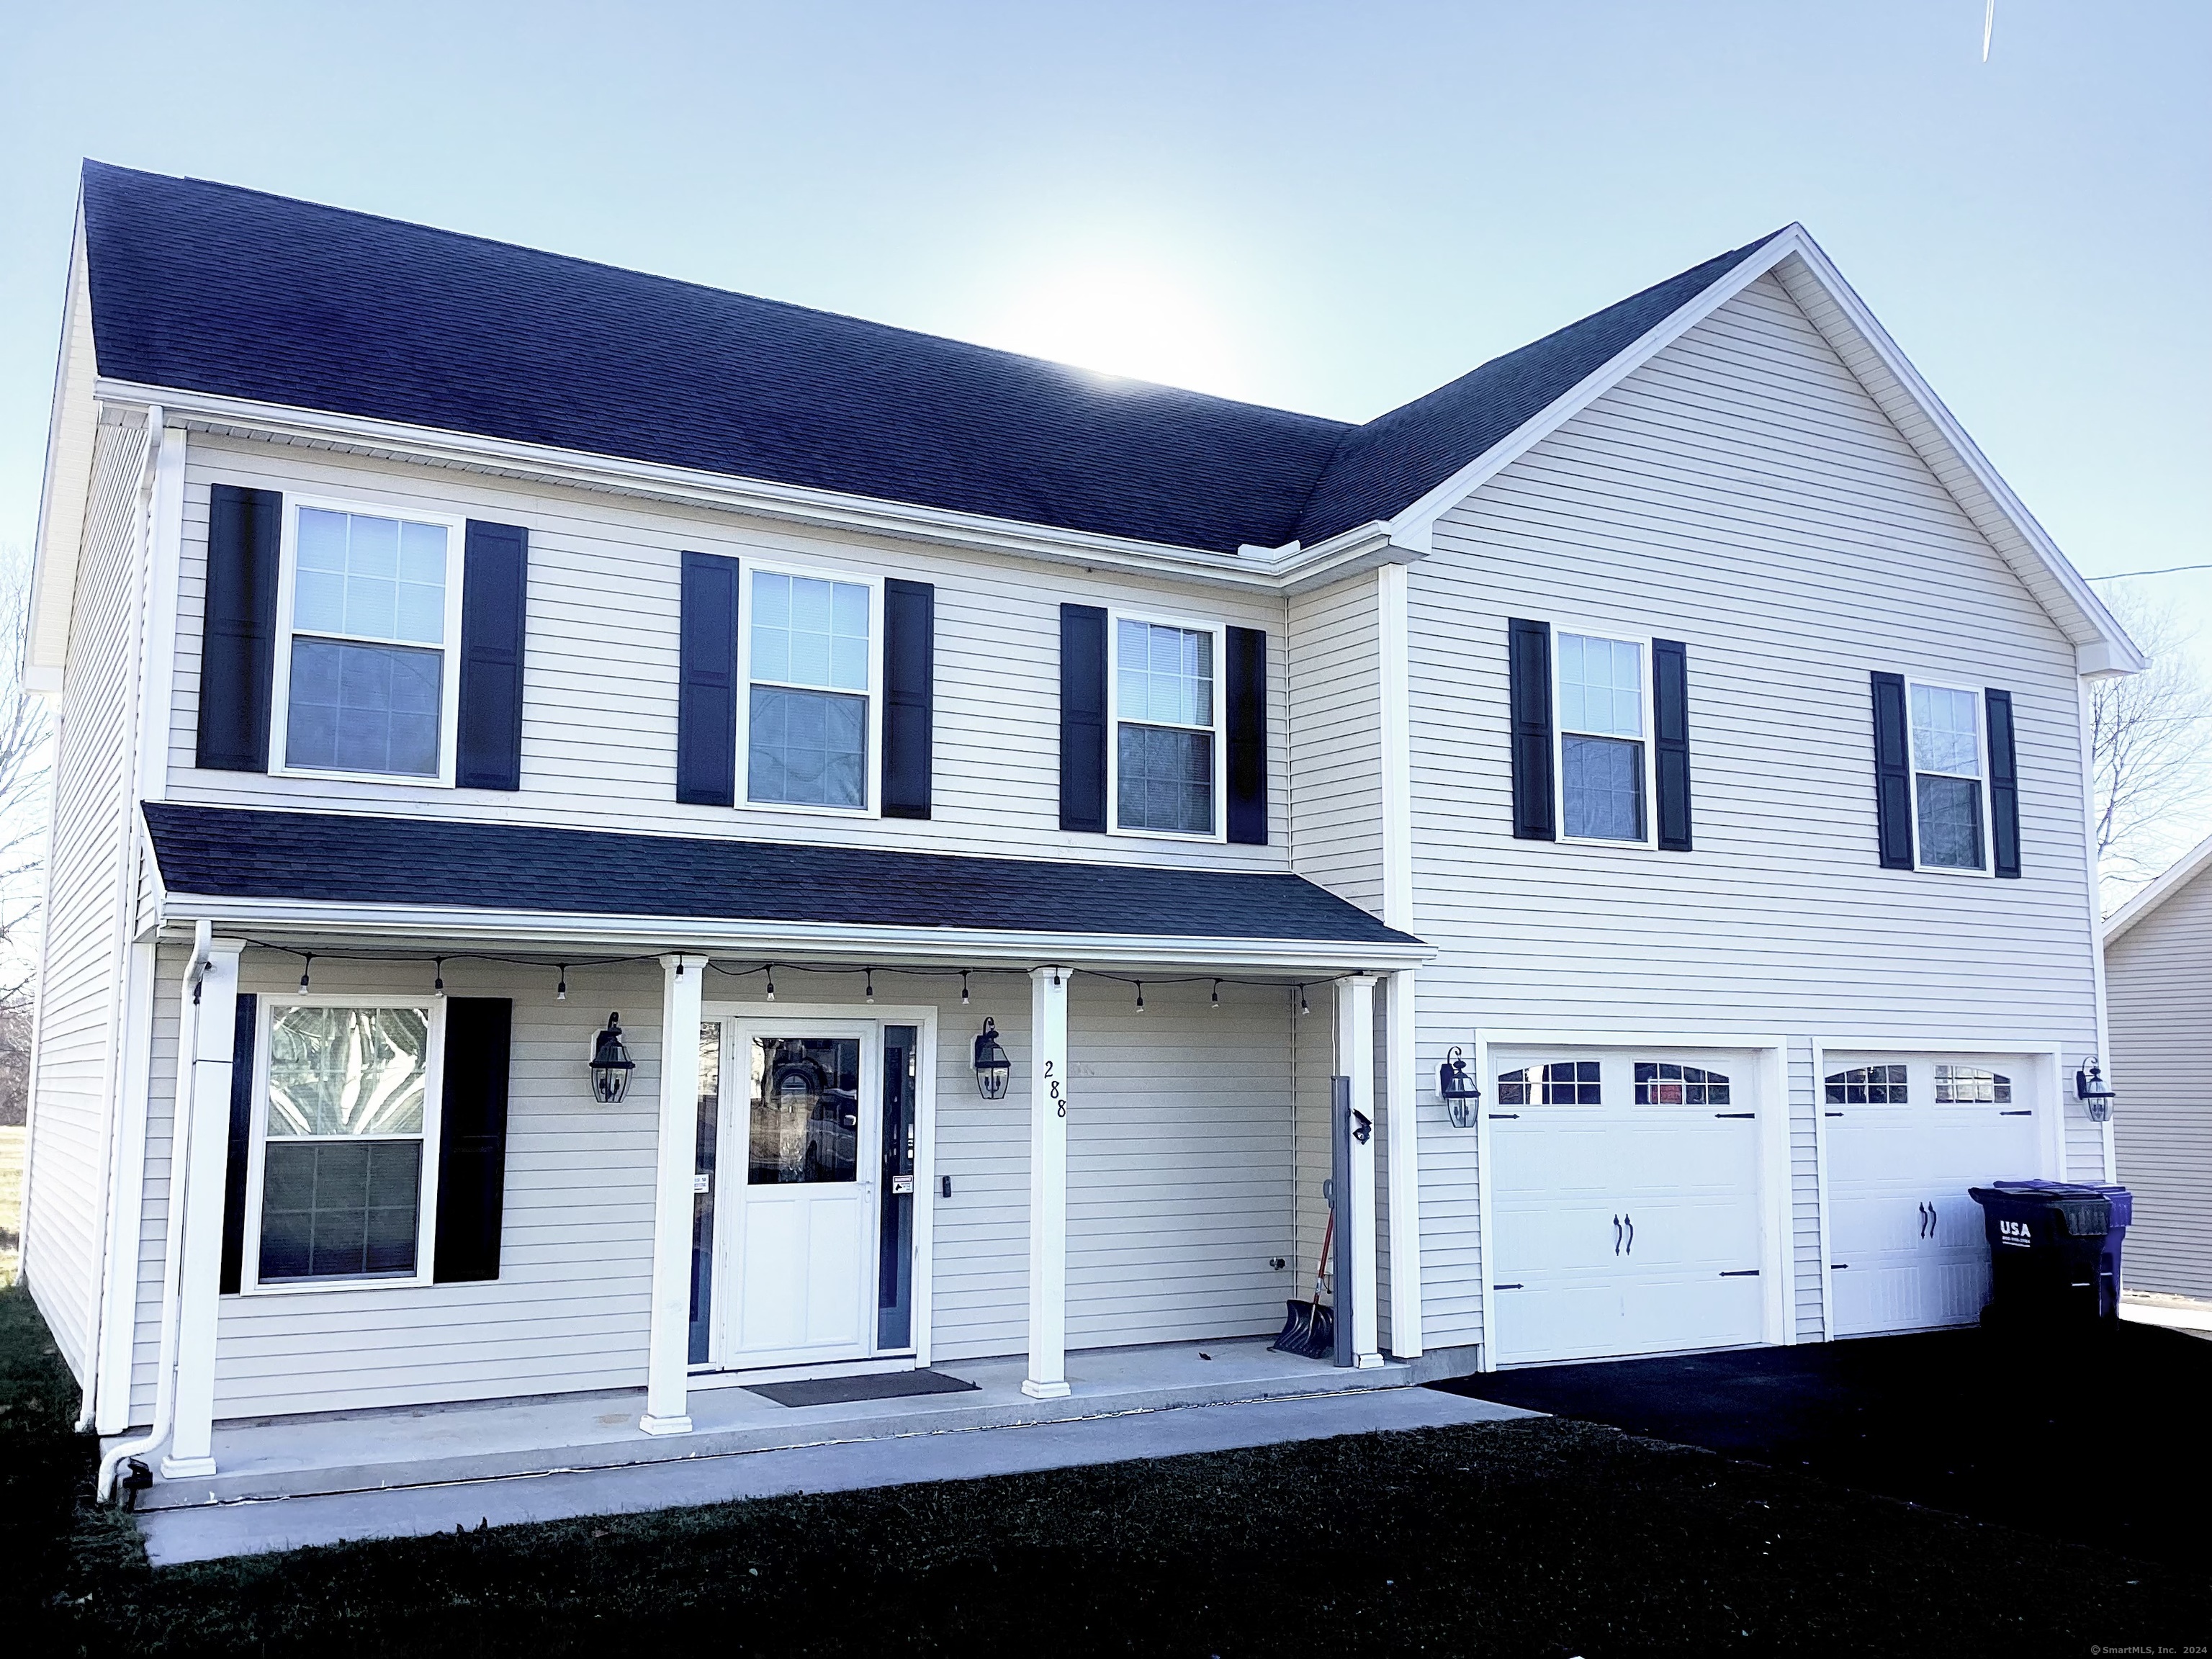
(842, 1390)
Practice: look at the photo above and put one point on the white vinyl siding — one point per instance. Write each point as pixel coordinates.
(2158, 981)
(1336, 741)
(76, 1065)
(1740, 492)
(599, 680)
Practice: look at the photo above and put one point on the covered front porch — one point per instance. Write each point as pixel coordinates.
(809, 1170)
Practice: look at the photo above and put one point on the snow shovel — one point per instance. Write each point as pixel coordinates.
(1310, 1330)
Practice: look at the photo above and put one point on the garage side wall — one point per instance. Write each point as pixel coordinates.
(2158, 984)
(1743, 494)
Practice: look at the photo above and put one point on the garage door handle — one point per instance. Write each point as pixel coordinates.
(1616, 1235)
(1630, 1220)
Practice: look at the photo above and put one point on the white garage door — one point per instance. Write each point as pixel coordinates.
(1624, 1199)
(1906, 1136)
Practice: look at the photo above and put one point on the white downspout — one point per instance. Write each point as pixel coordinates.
(165, 1376)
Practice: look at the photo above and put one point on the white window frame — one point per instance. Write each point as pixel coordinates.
(426, 1216)
(1982, 782)
(872, 781)
(449, 684)
(1216, 630)
(1643, 739)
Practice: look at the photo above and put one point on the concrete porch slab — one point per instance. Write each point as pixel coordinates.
(209, 1531)
(372, 1450)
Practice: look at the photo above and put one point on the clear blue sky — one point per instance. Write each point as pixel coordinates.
(1328, 207)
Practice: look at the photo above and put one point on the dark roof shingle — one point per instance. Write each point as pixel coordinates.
(210, 288)
(343, 858)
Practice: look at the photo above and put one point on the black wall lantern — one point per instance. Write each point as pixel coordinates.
(1462, 1097)
(610, 1064)
(991, 1065)
(2091, 1090)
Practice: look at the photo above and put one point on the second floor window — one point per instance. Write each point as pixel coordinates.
(811, 676)
(1601, 738)
(1166, 735)
(1947, 775)
(372, 623)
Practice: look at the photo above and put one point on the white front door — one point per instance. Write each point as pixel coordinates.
(800, 1157)
(1624, 1202)
(1906, 1136)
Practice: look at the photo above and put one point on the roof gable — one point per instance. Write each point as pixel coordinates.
(2168, 882)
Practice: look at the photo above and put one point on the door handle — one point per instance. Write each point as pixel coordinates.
(1631, 1233)
(1932, 1218)
(1616, 1235)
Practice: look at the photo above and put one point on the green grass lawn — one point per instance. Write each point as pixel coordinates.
(1541, 1537)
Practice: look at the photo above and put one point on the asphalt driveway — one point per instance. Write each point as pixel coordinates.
(2095, 1440)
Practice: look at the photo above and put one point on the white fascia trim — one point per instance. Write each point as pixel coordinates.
(72, 424)
(1270, 571)
(2108, 651)
(2169, 881)
(840, 941)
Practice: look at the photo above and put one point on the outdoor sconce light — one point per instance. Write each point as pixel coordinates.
(610, 1064)
(991, 1065)
(2090, 1089)
(1460, 1096)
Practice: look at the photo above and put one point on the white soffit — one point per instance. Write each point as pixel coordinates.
(71, 427)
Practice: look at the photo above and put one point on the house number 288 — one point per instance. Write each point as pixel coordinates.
(1058, 1095)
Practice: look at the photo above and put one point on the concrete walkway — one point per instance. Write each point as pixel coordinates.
(209, 1531)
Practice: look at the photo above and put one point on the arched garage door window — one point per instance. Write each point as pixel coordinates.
(1663, 1083)
(1970, 1086)
(1563, 1083)
(1868, 1086)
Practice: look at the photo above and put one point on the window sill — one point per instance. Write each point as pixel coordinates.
(357, 1282)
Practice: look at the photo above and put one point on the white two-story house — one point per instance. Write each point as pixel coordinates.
(972, 810)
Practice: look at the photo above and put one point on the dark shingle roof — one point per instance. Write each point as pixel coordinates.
(228, 852)
(207, 287)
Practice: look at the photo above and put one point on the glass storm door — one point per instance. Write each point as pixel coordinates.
(800, 1165)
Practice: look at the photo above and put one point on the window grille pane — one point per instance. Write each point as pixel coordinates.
(1669, 1082)
(364, 707)
(1165, 780)
(1868, 1086)
(1603, 788)
(1513, 1088)
(1572, 1083)
(806, 631)
(1950, 822)
(347, 1071)
(1600, 686)
(1944, 738)
(342, 1209)
(376, 578)
(808, 748)
(1163, 674)
(1971, 1085)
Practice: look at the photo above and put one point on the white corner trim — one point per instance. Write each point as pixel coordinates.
(2169, 881)
(1394, 670)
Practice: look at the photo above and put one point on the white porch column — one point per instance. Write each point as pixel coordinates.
(668, 1357)
(1400, 1083)
(196, 1178)
(1048, 1377)
(1355, 1058)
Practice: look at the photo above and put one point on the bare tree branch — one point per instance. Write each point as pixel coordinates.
(2150, 737)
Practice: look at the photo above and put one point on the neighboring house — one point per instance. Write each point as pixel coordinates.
(1676, 719)
(2158, 973)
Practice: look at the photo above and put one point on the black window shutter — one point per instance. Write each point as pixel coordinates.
(2004, 786)
(1247, 692)
(909, 708)
(241, 1137)
(495, 599)
(1893, 772)
(706, 697)
(1083, 718)
(1529, 650)
(472, 1138)
(1670, 723)
(238, 635)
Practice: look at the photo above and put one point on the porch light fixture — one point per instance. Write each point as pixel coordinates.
(963, 987)
(2091, 1090)
(1460, 1096)
(1217, 993)
(992, 1067)
(438, 979)
(610, 1064)
(1302, 1001)
(561, 991)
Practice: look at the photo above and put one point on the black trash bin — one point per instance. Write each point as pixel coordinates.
(2048, 1245)
(2108, 1259)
